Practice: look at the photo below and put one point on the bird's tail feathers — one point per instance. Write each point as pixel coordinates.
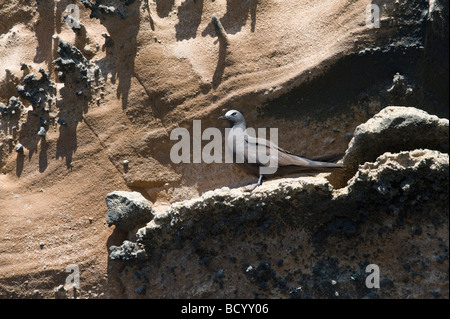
(332, 158)
(324, 165)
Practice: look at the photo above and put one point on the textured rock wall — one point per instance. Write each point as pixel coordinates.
(318, 74)
(301, 238)
(87, 109)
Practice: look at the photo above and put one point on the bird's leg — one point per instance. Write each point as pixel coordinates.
(253, 186)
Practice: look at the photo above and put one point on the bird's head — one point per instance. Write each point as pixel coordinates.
(234, 117)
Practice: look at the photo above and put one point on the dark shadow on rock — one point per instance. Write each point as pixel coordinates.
(115, 267)
(19, 163)
(163, 7)
(435, 70)
(81, 37)
(122, 25)
(39, 91)
(67, 143)
(7, 125)
(345, 84)
(235, 17)
(253, 5)
(152, 23)
(107, 66)
(221, 34)
(28, 133)
(43, 160)
(124, 49)
(221, 62)
(79, 76)
(59, 15)
(189, 18)
(44, 30)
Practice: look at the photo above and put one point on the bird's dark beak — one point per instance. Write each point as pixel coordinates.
(223, 117)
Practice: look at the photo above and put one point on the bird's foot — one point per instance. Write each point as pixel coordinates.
(250, 188)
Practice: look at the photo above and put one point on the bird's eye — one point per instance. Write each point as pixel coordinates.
(234, 114)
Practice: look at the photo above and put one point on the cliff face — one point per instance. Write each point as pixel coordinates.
(300, 238)
(91, 90)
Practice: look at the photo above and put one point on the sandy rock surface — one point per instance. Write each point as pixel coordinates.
(91, 90)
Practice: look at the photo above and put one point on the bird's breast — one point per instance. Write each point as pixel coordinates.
(236, 141)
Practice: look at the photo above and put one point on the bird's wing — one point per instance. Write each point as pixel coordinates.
(262, 152)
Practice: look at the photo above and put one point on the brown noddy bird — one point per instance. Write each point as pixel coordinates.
(251, 150)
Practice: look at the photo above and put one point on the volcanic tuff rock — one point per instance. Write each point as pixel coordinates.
(294, 237)
(13, 108)
(126, 210)
(313, 69)
(72, 61)
(38, 91)
(393, 129)
(299, 238)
